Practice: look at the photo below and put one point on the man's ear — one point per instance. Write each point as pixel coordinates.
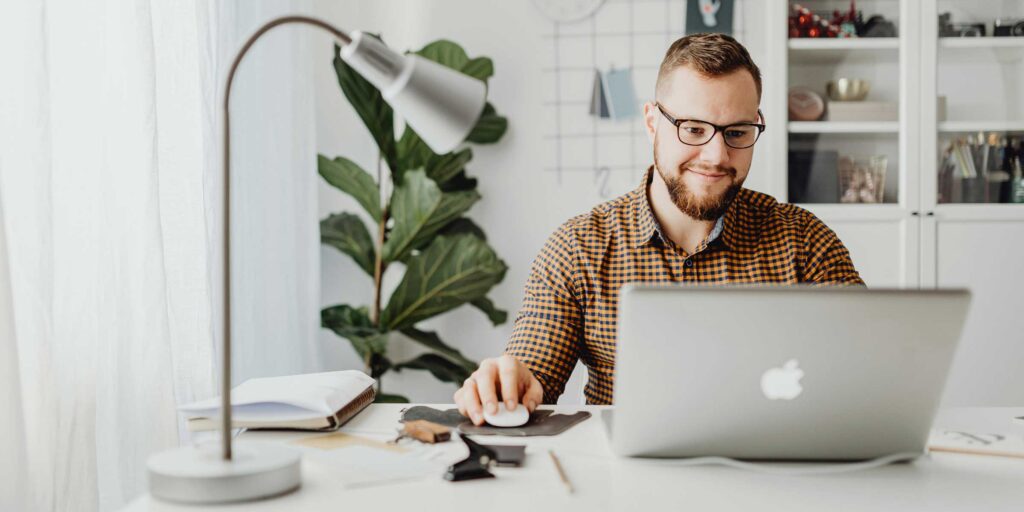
(650, 119)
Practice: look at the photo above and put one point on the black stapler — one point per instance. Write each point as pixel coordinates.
(477, 465)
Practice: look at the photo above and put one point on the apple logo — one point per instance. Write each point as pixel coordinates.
(783, 383)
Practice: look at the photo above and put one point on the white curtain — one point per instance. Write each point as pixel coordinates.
(110, 198)
(12, 449)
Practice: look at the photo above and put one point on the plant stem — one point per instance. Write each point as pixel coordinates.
(378, 267)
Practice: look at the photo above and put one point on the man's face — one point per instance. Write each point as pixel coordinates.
(702, 180)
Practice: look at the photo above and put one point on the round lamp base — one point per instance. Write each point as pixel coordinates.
(199, 474)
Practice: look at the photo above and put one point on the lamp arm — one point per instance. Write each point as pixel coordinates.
(226, 356)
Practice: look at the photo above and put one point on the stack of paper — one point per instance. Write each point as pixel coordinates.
(976, 443)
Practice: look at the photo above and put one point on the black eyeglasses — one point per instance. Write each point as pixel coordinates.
(694, 132)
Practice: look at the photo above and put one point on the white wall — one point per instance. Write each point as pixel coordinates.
(522, 204)
(274, 293)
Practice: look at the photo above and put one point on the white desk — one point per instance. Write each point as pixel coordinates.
(940, 481)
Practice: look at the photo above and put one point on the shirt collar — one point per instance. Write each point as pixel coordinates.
(647, 225)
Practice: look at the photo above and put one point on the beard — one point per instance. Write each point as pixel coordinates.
(707, 208)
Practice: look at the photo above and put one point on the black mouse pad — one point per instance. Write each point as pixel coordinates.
(541, 422)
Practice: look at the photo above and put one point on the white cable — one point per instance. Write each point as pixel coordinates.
(826, 469)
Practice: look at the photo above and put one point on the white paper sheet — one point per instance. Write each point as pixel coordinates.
(361, 466)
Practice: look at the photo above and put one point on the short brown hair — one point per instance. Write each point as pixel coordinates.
(710, 55)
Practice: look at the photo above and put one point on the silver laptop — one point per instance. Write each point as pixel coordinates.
(783, 373)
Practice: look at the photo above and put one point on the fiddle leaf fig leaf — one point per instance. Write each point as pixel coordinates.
(347, 233)
(354, 325)
(489, 128)
(442, 168)
(432, 341)
(450, 272)
(480, 68)
(440, 367)
(351, 179)
(420, 210)
(446, 53)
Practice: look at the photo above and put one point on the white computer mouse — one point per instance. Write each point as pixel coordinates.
(506, 418)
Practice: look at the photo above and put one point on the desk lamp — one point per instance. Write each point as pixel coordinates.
(442, 106)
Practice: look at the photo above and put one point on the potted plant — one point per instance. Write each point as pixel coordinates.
(446, 259)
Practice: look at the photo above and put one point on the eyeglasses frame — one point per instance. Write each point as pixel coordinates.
(760, 128)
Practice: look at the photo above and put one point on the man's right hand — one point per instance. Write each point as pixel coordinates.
(498, 381)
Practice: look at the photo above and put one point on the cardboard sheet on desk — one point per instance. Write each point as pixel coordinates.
(343, 440)
(542, 422)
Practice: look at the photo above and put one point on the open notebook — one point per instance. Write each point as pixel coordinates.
(315, 401)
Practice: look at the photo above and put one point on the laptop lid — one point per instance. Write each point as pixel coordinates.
(780, 372)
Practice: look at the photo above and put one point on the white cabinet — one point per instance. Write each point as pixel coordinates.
(939, 226)
(972, 243)
(985, 256)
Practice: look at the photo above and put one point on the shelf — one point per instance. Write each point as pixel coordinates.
(981, 126)
(825, 51)
(848, 44)
(981, 42)
(843, 126)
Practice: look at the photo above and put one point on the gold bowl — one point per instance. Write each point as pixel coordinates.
(847, 89)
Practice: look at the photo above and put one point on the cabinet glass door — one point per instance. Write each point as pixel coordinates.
(844, 102)
(980, 109)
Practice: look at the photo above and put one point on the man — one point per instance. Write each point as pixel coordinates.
(690, 220)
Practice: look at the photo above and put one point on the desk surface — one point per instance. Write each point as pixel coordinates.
(940, 481)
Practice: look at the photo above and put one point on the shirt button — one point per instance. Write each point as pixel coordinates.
(689, 262)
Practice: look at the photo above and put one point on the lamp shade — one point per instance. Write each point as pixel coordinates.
(440, 104)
